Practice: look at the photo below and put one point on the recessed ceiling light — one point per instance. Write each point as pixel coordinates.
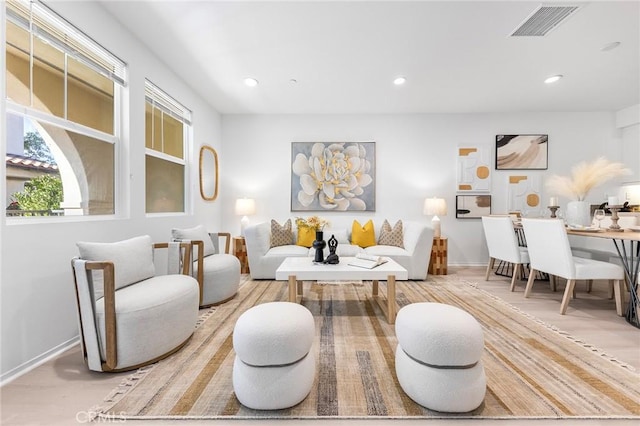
(610, 46)
(398, 81)
(251, 82)
(293, 81)
(553, 78)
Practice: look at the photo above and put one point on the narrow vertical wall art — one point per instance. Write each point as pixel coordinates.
(474, 169)
(524, 193)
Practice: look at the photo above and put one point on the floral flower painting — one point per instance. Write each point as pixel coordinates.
(338, 176)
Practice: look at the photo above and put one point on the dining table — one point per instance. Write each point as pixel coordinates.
(627, 244)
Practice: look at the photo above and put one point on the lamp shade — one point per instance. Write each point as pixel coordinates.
(435, 207)
(245, 206)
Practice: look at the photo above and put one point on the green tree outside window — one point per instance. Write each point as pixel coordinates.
(40, 193)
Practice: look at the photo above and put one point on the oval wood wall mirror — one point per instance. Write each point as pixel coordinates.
(208, 173)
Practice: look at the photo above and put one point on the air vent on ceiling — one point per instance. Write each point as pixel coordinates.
(543, 20)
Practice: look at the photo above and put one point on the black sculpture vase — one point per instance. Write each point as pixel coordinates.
(319, 244)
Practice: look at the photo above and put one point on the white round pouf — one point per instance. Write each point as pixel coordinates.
(449, 390)
(273, 368)
(438, 358)
(439, 334)
(273, 388)
(274, 333)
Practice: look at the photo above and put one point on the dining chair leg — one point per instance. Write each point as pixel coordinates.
(489, 268)
(516, 270)
(532, 275)
(612, 290)
(568, 291)
(617, 290)
(552, 282)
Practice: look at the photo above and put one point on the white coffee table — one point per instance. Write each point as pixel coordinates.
(299, 269)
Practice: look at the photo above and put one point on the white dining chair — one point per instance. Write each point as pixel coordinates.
(503, 245)
(550, 252)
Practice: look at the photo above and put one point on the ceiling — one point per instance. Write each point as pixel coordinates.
(457, 57)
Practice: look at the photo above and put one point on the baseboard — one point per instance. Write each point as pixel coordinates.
(24, 368)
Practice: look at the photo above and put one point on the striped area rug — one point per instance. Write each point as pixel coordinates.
(532, 370)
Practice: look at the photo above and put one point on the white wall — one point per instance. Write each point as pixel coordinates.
(415, 158)
(38, 309)
(628, 120)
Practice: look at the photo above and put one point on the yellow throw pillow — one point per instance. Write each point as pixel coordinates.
(306, 236)
(364, 236)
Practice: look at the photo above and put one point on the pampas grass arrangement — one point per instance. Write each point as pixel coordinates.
(584, 177)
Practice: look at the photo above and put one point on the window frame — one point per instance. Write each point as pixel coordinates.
(120, 82)
(160, 99)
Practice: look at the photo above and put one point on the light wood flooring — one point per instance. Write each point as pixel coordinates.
(61, 391)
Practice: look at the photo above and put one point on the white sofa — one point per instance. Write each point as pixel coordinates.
(414, 257)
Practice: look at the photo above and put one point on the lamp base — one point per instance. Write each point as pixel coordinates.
(244, 222)
(435, 224)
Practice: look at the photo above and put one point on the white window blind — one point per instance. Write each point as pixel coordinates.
(45, 24)
(159, 99)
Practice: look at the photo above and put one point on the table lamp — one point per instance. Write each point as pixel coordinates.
(244, 208)
(435, 207)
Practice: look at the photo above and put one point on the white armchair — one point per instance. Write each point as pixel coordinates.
(218, 273)
(128, 314)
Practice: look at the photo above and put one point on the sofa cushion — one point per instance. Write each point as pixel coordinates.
(306, 236)
(132, 259)
(288, 250)
(343, 250)
(380, 250)
(340, 233)
(197, 233)
(281, 235)
(391, 236)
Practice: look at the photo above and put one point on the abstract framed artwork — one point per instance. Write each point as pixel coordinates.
(524, 193)
(473, 206)
(522, 152)
(474, 169)
(333, 176)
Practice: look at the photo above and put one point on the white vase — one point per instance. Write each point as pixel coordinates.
(578, 213)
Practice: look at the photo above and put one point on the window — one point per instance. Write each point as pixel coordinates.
(167, 133)
(63, 100)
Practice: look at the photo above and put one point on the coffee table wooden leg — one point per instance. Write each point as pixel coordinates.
(391, 299)
(300, 287)
(374, 290)
(292, 288)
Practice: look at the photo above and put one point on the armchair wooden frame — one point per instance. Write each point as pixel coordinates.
(111, 332)
(200, 275)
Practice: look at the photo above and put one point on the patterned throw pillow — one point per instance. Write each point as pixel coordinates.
(281, 235)
(364, 236)
(391, 236)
